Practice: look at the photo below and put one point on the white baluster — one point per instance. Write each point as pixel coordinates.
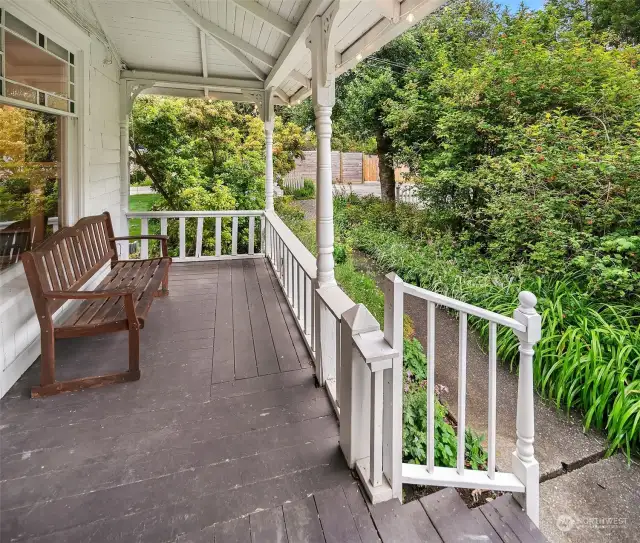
(375, 442)
(263, 235)
(163, 226)
(491, 438)
(218, 236)
(252, 225)
(298, 289)
(183, 249)
(431, 376)
(144, 245)
(524, 465)
(305, 304)
(234, 236)
(199, 237)
(462, 389)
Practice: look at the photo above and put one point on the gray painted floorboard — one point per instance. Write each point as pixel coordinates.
(225, 438)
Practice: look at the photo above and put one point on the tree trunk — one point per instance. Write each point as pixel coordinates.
(385, 160)
(155, 179)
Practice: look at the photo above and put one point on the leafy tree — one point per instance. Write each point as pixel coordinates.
(621, 16)
(526, 141)
(207, 154)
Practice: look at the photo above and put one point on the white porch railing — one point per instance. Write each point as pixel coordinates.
(317, 311)
(161, 219)
(371, 432)
(361, 366)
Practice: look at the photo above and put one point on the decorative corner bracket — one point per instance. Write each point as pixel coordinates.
(130, 89)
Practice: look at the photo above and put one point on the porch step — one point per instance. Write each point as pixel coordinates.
(341, 515)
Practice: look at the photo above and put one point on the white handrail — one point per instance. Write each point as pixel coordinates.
(294, 245)
(199, 216)
(463, 307)
(177, 214)
(525, 323)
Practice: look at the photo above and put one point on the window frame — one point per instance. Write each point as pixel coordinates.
(40, 36)
(47, 20)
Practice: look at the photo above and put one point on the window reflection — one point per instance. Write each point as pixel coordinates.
(30, 172)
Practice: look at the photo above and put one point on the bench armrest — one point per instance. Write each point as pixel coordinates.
(163, 240)
(87, 294)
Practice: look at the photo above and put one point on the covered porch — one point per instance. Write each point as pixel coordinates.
(270, 404)
(226, 437)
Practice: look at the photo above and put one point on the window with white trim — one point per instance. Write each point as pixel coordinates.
(34, 69)
(37, 97)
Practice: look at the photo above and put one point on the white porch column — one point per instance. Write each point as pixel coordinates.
(268, 118)
(268, 187)
(323, 94)
(124, 174)
(129, 91)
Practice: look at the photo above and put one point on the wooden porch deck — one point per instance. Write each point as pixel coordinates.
(224, 438)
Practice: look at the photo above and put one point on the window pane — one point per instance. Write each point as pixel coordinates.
(19, 27)
(30, 175)
(18, 92)
(57, 103)
(27, 64)
(57, 50)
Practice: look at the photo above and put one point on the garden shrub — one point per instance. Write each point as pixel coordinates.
(306, 192)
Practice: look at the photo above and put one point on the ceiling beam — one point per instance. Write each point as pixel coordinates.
(282, 94)
(242, 59)
(194, 80)
(300, 78)
(411, 12)
(221, 34)
(295, 47)
(279, 23)
(203, 56)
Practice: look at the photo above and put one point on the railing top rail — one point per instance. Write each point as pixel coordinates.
(196, 214)
(464, 307)
(304, 257)
(336, 300)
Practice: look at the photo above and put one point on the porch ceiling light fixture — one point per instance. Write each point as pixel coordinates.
(359, 56)
(410, 17)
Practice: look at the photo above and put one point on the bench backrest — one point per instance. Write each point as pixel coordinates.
(68, 259)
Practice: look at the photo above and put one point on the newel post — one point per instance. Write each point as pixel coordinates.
(524, 465)
(355, 385)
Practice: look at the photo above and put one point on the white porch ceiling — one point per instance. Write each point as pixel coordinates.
(245, 43)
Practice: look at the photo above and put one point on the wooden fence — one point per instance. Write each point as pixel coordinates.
(346, 168)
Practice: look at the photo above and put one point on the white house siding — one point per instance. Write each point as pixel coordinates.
(19, 329)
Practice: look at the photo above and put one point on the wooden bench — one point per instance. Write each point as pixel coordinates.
(64, 263)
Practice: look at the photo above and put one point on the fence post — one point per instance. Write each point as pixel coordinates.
(355, 384)
(392, 416)
(523, 463)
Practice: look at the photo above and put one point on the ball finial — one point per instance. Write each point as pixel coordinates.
(528, 301)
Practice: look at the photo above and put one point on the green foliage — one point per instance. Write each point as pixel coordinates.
(589, 355)
(207, 154)
(621, 16)
(306, 192)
